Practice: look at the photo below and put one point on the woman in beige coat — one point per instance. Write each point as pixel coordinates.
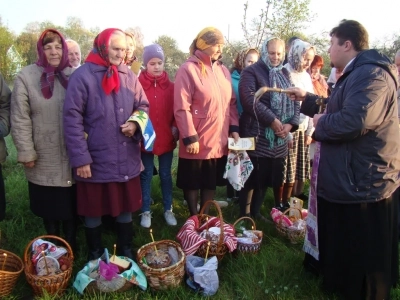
(36, 122)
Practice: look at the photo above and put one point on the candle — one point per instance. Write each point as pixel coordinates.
(115, 249)
(45, 262)
(152, 238)
(208, 248)
(252, 227)
(207, 224)
(4, 262)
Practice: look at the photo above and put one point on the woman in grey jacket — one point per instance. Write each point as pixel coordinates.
(37, 131)
(5, 95)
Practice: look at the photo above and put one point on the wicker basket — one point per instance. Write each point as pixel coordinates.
(248, 248)
(9, 274)
(52, 284)
(164, 278)
(218, 249)
(294, 235)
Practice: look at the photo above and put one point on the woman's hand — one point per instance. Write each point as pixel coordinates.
(307, 140)
(276, 126)
(284, 132)
(290, 144)
(235, 136)
(128, 129)
(84, 171)
(193, 148)
(29, 164)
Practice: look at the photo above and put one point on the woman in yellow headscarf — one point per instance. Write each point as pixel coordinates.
(205, 112)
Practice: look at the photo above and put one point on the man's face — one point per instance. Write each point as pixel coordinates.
(74, 55)
(336, 53)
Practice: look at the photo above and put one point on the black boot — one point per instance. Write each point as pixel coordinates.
(124, 239)
(69, 228)
(93, 240)
(52, 227)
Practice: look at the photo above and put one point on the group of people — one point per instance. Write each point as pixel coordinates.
(85, 135)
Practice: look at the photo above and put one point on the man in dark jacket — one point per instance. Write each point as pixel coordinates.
(356, 240)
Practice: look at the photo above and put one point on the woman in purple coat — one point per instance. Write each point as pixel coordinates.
(104, 106)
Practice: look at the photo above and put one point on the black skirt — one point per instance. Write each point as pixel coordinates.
(197, 174)
(267, 172)
(359, 256)
(52, 203)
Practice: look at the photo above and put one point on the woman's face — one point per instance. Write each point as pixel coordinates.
(53, 52)
(117, 49)
(308, 58)
(275, 52)
(251, 58)
(155, 67)
(315, 70)
(130, 47)
(214, 52)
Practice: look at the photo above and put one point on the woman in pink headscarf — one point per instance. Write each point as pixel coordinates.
(36, 117)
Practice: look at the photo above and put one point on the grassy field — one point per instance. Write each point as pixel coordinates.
(276, 272)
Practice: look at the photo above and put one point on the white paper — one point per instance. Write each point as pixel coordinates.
(241, 144)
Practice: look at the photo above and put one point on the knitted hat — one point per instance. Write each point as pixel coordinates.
(152, 51)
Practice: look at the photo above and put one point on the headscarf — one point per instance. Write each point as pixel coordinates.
(241, 58)
(281, 105)
(49, 73)
(206, 38)
(99, 56)
(296, 54)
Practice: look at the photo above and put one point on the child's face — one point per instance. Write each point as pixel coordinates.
(155, 67)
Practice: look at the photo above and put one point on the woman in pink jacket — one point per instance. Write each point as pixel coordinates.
(205, 113)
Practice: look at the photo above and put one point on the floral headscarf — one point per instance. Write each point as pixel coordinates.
(281, 105)
(49, 73)
(296, 54)
(99, 56)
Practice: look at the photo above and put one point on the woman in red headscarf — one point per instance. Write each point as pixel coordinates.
(105, 114)
(36, 117)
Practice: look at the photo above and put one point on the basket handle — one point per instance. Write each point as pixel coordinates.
(245, 217)
(287, 211)
(44, 237)
(208, 203)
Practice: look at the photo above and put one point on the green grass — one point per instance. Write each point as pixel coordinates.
(274, 273)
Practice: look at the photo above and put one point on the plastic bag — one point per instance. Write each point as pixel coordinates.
(202, 276)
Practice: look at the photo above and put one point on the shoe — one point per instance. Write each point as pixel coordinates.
(302, 196)
(282, 207)
(170, 218)
(262, 218)
(222, 204)
(146, 219)
(228, 199)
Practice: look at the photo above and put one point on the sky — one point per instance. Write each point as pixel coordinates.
(183, 19)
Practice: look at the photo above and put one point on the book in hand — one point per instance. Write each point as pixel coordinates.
(241, 144)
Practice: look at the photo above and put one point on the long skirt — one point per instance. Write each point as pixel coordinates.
(52, 202)
(110, 198)
(359, 256)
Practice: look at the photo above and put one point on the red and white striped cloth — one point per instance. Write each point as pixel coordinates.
(189, 235)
